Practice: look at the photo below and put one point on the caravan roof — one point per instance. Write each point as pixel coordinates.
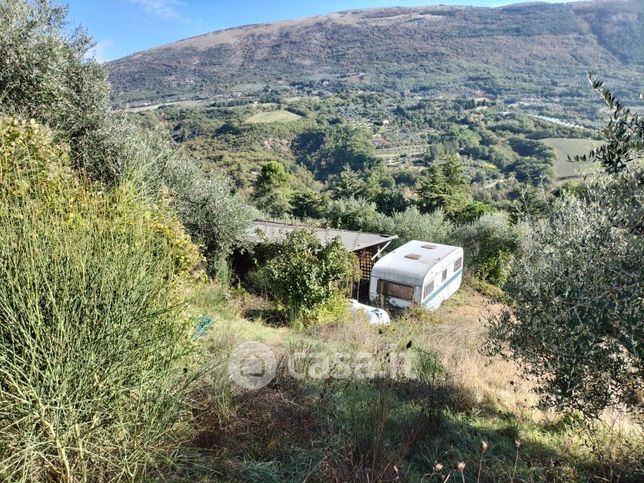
(411, 262)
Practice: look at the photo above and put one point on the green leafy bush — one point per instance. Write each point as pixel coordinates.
(92, 336)
(576, 316)
(410, 224)
(354, 214)
(473, 210)
(306, 277)
(205, 205)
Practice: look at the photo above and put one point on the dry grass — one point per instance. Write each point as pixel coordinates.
(458, 338)
(395, 430)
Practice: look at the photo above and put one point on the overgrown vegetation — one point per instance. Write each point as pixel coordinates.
(308, 278)
(352, 428)
(92, 338)
(576, 289)
(112, 237)
(95, 261)
(44, 76)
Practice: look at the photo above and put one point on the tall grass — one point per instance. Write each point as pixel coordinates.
(91, 335)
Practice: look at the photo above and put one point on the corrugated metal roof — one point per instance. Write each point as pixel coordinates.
(261, 231)
(398, 266)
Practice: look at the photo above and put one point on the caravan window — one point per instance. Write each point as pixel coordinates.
(429, 288)
(396, 290)
(458, 264)
(444, 275)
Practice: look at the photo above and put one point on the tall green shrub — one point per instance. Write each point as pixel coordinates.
(410, 224)
(489, 244)
(92, 337)
(44, 76)
(307, 277)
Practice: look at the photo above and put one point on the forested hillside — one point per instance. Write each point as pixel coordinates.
(526, 50)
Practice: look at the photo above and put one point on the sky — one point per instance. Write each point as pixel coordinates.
(122, 27)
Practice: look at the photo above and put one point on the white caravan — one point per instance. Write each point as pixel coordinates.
(417, 273)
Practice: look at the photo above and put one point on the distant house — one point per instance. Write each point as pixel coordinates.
(479, 101)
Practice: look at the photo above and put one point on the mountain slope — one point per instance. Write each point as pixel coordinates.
(529, 49)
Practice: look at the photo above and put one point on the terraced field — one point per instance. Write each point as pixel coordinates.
(272, 116)
(564, 147)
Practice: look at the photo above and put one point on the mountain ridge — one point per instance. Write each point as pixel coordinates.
(399, 48)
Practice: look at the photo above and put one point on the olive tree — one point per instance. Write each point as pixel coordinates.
(45, 75)
(575, 318)
(489, 244)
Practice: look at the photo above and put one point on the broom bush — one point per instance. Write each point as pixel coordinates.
(93, 344)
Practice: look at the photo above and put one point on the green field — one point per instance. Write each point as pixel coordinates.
(564, 147)
(272, 116)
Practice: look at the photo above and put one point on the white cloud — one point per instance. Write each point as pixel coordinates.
(161, 8)
(100, 51)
